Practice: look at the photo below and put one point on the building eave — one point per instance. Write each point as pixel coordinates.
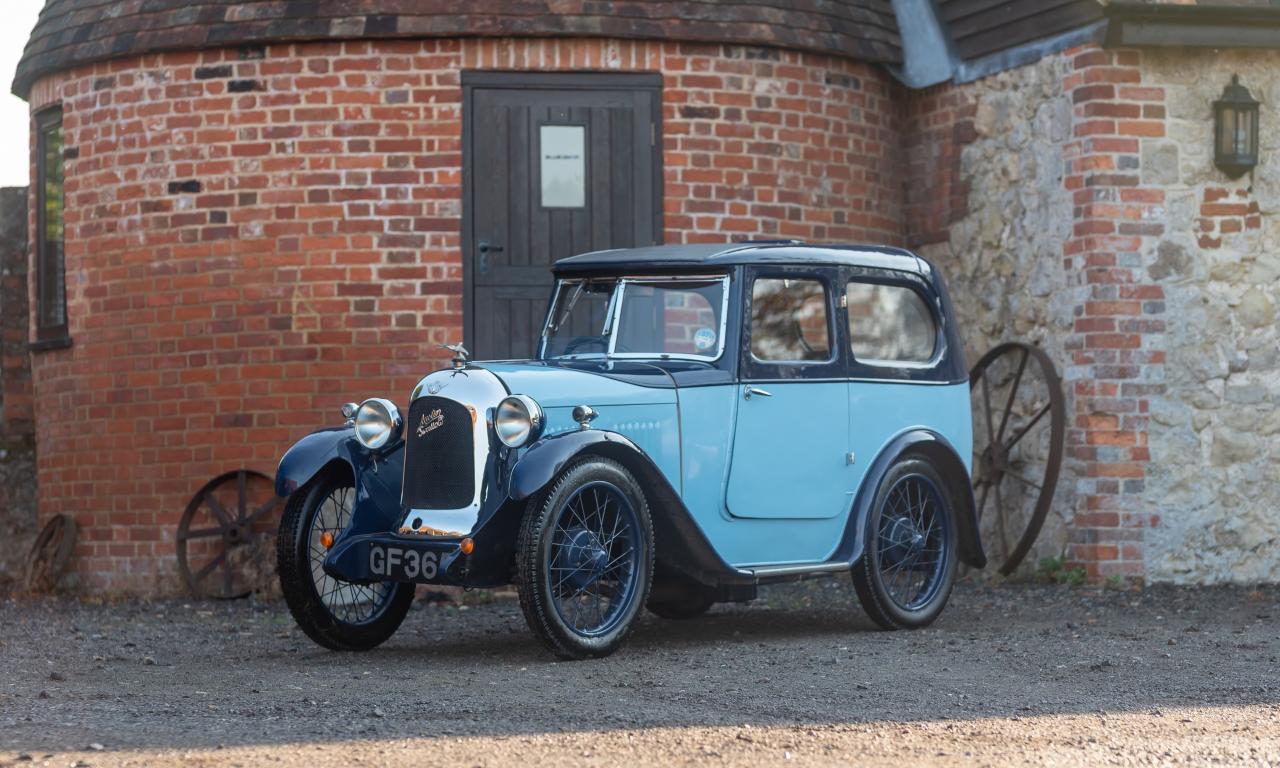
(1144, 25)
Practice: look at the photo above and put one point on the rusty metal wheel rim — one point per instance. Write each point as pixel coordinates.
(234, 528)
(999, 437)
(50, 552)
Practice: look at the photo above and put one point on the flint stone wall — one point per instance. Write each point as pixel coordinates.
(1215, 435)
(17, 446)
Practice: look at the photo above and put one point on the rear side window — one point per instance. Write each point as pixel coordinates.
(789, 321)
(890, 324)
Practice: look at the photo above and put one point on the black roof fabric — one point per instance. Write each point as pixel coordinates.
(732, 254)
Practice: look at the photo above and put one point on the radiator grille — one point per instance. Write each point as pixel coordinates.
(439, 464)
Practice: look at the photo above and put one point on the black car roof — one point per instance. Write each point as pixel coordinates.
(733, 254)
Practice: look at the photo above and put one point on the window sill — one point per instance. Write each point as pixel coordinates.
(46, 345)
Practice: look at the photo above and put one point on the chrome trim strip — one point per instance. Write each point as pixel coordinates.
(792, 570)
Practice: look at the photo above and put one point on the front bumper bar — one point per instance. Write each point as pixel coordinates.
(377, 557)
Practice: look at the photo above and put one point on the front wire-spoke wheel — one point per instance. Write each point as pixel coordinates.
(908, 566)
(585, 559)
(346, 601)
(337, 614)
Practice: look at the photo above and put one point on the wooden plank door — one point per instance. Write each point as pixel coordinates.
(554, 165)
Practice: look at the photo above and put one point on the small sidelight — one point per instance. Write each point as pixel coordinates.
(1235, 118)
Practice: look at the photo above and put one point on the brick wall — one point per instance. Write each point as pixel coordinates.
(257, 235)
(938, 125)
(1117, 344)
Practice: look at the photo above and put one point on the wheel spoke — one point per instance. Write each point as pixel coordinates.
(1022, 432)
(1024, 480)
(986, 401)
(263, 509)
(1000, 521)
(208, 567)
(1013, 393)
(199, 533)
(218, 510)
(242, 496)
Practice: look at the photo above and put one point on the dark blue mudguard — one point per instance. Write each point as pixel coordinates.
(683, 549)
(377, 475)
(944, 456)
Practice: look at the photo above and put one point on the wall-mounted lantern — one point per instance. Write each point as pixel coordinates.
(1235, 117)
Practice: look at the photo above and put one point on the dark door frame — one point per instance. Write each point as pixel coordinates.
(473, 80)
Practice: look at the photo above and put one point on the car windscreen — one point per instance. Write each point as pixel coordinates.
(680, 318)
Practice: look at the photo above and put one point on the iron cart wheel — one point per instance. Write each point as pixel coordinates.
(908, 563)
(584, 559)
(224, 534)
(1019, 415)
(339, 615)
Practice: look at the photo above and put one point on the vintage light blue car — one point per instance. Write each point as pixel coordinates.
(699, 420)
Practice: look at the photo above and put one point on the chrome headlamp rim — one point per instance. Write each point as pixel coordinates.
(377, 423)
(518, 420)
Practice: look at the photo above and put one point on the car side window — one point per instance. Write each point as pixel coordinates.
(890, 324)
(789, 320)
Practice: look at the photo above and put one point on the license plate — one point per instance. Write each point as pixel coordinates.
(398, 564)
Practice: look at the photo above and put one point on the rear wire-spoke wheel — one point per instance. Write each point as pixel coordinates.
(1019, 428)
(337, 614)
(909, 554)
(585, 559)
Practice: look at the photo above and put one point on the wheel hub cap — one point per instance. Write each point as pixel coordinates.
(905, 539)
(586, 556)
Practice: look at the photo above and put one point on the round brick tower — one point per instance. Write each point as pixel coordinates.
(265, 214)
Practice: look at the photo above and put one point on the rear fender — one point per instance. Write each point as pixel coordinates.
(376, 475)
(937, 449)
(680, 545)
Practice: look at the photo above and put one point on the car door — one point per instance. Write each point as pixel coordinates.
(791, 432)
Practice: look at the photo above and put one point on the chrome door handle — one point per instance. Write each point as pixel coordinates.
(749, 391)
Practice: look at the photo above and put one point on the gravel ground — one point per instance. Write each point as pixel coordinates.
(1010, 675)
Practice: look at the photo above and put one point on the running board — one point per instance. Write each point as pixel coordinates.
(766, 573)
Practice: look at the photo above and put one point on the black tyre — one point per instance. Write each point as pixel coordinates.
(339, 615)
(584, 559)
(680, 603)
(908, 562)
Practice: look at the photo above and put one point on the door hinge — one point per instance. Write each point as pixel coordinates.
(653, 134)
(850, 458)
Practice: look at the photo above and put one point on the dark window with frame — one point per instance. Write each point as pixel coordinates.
(51, 298)
(789, 320)
(890, 324)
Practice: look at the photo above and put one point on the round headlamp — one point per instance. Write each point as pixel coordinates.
(518, 421)
(378, 422)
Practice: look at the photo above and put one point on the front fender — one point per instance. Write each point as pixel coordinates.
(546, 458)
(936, 448)
(305, 458)
(376, 475)
(680, 545)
